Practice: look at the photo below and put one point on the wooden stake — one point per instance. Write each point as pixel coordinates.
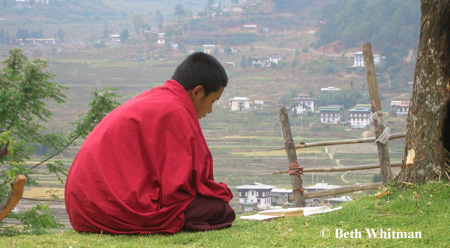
(383, 149)
(12, 200)
(296, 180)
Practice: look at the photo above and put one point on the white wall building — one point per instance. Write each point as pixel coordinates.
(358, 59)
(240, 104)
(161, 38)
(360, 117)
(303, 103)
(400, 107)
(208, 48)
(256, 196)
(330, 114)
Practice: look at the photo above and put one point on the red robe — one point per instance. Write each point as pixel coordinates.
(141, 166)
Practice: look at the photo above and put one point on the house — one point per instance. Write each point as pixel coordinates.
(161, 38)
(115, 38)
(330, 114)
(174, 45)
(360, 117)
(23, 4)
(282, 196)
(400, 107)
(275, 58)
(250, 26)
(230, 64)
(208, 48)
(240, 104)
(258, 105)
(39, 42)
(256, 196)
(329, 89)
(358, 59)
(303, 103)
(260, 62)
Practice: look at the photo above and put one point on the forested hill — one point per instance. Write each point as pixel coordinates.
(65, 11)
(384, 23)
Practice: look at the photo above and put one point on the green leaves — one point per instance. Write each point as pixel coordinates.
(25, 90)
(104, 102)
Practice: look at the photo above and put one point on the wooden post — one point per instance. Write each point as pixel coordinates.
(383, 149)
(11, 201)
(294, 169)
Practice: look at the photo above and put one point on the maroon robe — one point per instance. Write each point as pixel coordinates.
(142, 166)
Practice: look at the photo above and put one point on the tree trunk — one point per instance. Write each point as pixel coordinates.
(428, 127)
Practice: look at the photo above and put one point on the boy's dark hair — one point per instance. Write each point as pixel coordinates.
(201, 69)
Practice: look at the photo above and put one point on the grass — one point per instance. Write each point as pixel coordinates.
(400, 212)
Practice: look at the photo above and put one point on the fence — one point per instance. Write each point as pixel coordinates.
(381, 137)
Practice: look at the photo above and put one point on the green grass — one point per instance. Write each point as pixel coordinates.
(399, 212)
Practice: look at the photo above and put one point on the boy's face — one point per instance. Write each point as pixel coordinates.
(202, 104)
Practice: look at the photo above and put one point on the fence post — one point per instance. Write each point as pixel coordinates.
(377, 115)
(294, 169)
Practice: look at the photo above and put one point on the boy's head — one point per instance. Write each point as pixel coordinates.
(201, 69)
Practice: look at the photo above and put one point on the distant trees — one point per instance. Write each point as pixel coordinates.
(209, 4)
(138, 22)
(2, 37)
(60, 34)
(22, 33)
(347, 98)
(105, 31)
(179, 11)
(291, 6)
(158, 20)
(380, 22)
(124, 35)
(243, 62)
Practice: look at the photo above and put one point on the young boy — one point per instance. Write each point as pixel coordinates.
(146, 167)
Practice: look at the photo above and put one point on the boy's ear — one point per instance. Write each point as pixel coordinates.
(197, 91)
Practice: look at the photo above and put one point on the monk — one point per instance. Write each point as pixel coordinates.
(146, 167)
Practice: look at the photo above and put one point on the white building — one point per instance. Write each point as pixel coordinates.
(115, 38)
(208, 48)
(275, 58)
(161, 38)
(303, 103)
(400, 107)
(330, 114)
(282, 196)
(240, 104)
(360, 117)
(358, 59)
(256, 196)
(330, 88)
(260, 62)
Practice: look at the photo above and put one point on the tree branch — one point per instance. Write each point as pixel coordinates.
(56, 153)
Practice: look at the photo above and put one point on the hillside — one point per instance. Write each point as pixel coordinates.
(242, 143)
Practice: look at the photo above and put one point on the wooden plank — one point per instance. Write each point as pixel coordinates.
(345, 168)
(343, 190)
(383, 149)
(296, 180)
